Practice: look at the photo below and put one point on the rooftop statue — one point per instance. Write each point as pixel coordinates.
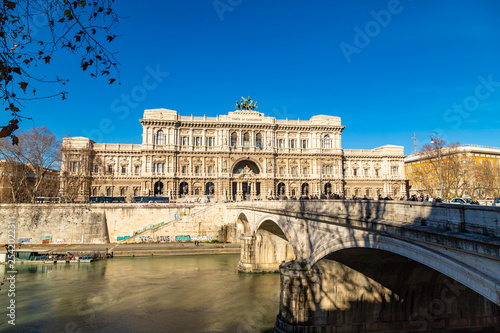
(246, 104)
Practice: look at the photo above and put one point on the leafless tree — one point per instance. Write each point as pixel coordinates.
(29, 162)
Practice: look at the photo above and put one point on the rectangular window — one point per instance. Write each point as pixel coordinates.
(74, 166)
(281, 143)
(94, 192)
(209, 170)
(108, 192)
(154, 167)
(136, 192)
(377, 172)
(304, 144)
(366, 172)
(122, 192)
(281, 171)
(292, 143)
(184, 169)
(110, 169)
(185, 141)
(137, 169)
(163, 168)
(304, 171)
(197, 141)
(294, 171)
(96, 169)
(210, 141)
(124, 169)
(355, 172)
(394, 170)
(196, 169)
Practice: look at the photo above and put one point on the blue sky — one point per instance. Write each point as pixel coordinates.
(422, 66)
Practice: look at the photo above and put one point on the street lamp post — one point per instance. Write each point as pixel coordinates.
(435, 141)
(323, 141)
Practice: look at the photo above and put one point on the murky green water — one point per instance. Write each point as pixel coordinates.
(149, 294)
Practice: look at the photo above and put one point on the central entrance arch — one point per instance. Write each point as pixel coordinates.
(245, 183)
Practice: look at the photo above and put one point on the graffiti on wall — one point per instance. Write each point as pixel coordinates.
(185, 238)
(120, 238)
(203, 238)
(144, 239)
(25, 240)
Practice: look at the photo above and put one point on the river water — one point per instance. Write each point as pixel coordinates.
(203, 293)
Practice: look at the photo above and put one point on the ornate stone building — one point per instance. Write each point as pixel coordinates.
(241, 155)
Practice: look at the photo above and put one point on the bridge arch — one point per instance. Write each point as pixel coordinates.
(243, 226)
(441, 263)
(273, 244)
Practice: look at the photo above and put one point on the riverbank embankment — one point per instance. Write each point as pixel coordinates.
(135, 250)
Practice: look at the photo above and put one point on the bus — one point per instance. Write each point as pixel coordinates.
(107, 200)
(151, 199)
(47, 200)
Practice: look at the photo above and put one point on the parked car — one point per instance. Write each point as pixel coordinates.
(461, 201)
(496, 202)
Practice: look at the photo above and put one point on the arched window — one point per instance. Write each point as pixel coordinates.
(258, 140)
(281, 189)
(327, 143)
(183, 188)
(246, 140)
(328, 188)
(209, 188)
(305, 189)
(233, 139)
(160, 138)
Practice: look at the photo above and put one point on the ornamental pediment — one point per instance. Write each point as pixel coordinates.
(246, 173)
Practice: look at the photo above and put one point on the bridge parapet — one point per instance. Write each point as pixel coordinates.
(478, 220)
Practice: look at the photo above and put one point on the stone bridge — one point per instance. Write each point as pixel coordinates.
(376, 265)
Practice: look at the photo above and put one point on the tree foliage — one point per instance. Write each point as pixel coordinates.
(32, 32)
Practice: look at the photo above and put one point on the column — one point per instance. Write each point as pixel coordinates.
(144, 135)
(191, 138)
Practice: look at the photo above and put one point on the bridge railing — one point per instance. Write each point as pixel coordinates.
(479, 220)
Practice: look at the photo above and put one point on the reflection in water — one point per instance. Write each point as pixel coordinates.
(148, 294)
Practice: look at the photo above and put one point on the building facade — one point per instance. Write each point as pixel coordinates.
(239, 156)
(455, 171)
